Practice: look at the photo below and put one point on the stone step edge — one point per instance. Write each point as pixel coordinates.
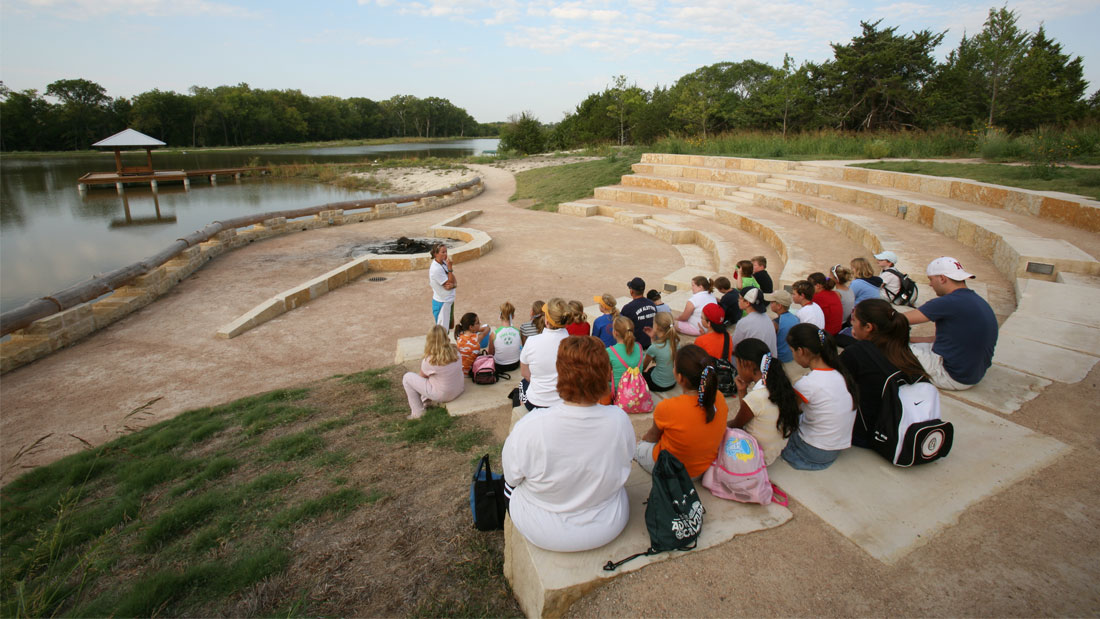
(477, 244)
(70, 326)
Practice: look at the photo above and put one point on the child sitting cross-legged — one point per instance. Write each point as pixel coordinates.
(769, 404)
(829, 399)
(691, 426)
(658, 357)
(468, 334)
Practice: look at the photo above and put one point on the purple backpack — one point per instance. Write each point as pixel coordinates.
(739, 473)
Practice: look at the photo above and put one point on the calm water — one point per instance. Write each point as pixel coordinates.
(52, 237)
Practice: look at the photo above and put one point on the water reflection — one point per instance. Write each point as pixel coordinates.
(52, 236)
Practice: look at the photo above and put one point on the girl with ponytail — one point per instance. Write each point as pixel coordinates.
(828, 401)
(881, 347)
(629, 350)
(691, 426)
(769, 404)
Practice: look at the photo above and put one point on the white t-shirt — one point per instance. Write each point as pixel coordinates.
(765, 415)
(811, 313)
(540, 353)
(890, 283)
(568, 466)
(437, 275)
(827, 412)
(506, 345)
(699, 300)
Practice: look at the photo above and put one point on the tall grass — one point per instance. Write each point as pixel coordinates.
(1078, 143)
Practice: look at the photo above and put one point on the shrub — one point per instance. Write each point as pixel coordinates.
(523, 135)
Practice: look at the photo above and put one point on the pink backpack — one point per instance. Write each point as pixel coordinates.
(484, 370)
(739, 473)
(632, 394)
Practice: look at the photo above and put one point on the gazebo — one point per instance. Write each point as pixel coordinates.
(131, 140)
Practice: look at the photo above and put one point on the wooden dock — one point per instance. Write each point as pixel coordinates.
(154, 178)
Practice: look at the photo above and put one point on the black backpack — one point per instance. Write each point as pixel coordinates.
(488, 497)
(907, 292)
(725, 370)
(673, 513)
(909, 430)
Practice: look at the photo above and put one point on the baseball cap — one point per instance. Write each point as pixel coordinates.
(636, 284)
(949, 267)
(753, 296)
(888, 256)
(653, 294)
(781, 297)
(714, 313)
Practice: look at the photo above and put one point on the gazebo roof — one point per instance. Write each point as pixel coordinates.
(129, 139)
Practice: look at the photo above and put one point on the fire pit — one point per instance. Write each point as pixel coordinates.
(402, 245)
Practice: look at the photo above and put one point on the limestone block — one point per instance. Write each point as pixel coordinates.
(46, 327)
(933, 186)
(106, 312)
(258, 315)
(22, 349)
(357, 268)
(1088, 218)
(628, 218)
(906, 182)
(578, 209)
(858, 175)
(379, 262)
(465, 253)
(946, 224)
(296, 296)
(153, 278)
(336, 278)
(546, 583)
(318, 287)
(388, 208)
(484, 399)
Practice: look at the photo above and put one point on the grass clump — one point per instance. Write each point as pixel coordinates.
(339, 502)
(551, 186)
(200, 515)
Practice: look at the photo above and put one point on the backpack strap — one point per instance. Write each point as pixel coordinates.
(620, 358)
(726, 347)
(782, 499)
(611, 566)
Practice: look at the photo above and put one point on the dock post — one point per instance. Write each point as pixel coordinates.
(237, 176)
(153, 185)
(118, 186)
(186, 183)
(213, 179)
(81, 187)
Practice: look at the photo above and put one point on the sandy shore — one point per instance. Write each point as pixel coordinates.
(416, 180)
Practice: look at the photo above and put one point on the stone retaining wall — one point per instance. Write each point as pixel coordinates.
(64, 328)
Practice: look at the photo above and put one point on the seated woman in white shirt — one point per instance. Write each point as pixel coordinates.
(538, 359)
(567, 465)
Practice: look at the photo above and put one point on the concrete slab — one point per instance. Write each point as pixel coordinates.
(410, 349)
(484, 398)
(1043, 359)
(890, 511)
(1064, 302)
(1002, 389)
(1054, 332)
(546, 583)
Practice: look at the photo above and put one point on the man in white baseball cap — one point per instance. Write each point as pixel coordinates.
(966, 329)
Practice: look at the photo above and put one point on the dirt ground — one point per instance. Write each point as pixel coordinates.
(1032, 549)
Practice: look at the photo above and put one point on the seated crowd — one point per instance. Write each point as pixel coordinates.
(808, 383)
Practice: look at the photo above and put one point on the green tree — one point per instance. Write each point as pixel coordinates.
(876, 81)
(83, 110)
(698, 97)
(1047, 86)
(25, 117)
(625, 101)
(523, 134)
(1000, 45)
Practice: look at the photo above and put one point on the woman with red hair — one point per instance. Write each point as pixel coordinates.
(567, 465)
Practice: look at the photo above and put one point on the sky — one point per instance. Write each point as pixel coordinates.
(495, 58)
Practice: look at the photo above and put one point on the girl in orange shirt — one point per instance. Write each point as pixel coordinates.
(690, 426)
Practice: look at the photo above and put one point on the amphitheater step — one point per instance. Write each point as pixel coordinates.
(648, 197)
(700, 173)
(679, 185)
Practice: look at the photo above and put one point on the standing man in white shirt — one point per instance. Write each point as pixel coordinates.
(442, 277)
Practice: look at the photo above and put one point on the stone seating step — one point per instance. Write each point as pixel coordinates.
(710, 189)
(700, 173)
(890, 511)
(546, 583)
(648, 197)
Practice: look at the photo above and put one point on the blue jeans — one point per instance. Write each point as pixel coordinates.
(805, 457)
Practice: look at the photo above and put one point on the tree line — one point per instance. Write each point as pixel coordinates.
(222, 116)
(1001, 77)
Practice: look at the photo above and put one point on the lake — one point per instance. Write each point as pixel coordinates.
(52, 236)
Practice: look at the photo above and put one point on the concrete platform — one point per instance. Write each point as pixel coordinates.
(1054, 332)
(890, 511)
(1042, 359)
(546, 583)
(1002, 389)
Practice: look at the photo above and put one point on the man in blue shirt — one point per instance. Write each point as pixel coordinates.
(966, 329)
